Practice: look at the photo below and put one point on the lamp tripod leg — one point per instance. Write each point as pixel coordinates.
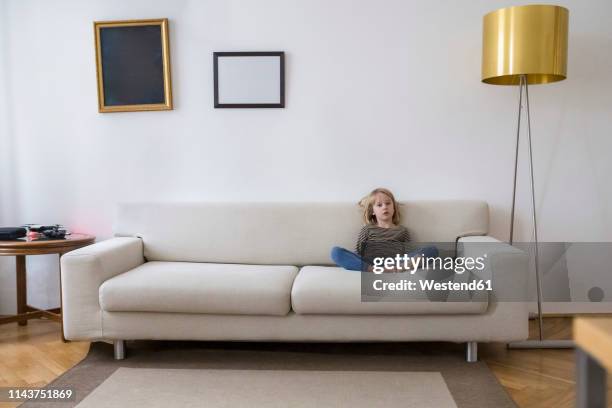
(518, 134)
(541, 343)
(535, 224)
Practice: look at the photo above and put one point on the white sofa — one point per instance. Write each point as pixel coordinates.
(262, 272)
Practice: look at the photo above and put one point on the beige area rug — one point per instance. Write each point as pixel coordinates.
(233, 374)
(161, 388)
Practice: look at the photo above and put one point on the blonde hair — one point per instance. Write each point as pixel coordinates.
(367, 203)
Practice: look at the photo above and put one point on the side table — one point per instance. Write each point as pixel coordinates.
(593, 336)
(20, 248)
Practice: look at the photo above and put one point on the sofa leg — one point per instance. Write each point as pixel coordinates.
(119, 346)
(471, 351)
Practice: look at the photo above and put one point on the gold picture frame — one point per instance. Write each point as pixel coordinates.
(131, 75)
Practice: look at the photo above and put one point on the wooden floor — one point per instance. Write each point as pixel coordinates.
(537, 378)
(34, 355)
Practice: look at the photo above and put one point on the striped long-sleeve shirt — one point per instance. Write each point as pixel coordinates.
(375, 241)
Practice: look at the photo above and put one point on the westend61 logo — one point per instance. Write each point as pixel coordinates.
(410, 264)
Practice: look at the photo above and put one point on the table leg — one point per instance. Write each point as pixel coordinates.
(22, 287)
(590, 381)
(61, 308)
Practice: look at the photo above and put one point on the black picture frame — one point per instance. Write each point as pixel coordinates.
(220, 104)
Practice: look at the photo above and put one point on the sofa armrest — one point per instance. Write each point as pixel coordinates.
(506, 266)
(82, 273)
(508, 269)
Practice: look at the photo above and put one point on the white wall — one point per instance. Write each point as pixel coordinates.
(379, 93)
(7, 175)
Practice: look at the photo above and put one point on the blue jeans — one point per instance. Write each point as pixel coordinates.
(353, 262)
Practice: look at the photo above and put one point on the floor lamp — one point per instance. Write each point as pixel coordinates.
(522, 46)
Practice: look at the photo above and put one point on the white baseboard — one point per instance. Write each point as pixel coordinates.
(573, 307)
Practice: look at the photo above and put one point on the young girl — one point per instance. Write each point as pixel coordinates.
(381, 236)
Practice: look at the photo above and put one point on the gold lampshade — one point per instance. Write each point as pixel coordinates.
(525, 40)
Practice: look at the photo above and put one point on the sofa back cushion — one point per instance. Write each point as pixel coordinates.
(280, 233)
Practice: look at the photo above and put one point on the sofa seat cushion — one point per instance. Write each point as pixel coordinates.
(186, 287)
(332, 290)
